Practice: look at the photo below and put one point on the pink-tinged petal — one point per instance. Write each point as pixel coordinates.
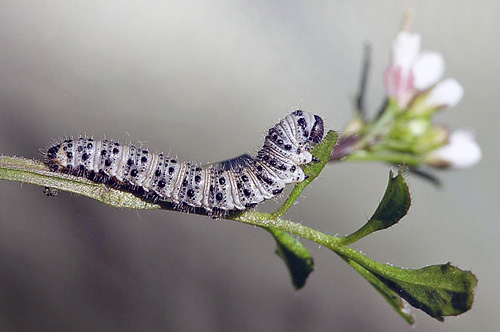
(399, 77)
(399, 85)
(427, 69)
(462, 151)
(390, 81)
(405, 50)
(406, 91)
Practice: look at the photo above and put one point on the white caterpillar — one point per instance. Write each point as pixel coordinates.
(238, 183)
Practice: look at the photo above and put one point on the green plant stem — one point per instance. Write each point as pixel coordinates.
(334, 243)
(267, 220)
(378, 126)
(356, 236)
(35, 172)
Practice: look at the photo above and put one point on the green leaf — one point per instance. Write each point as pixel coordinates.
(322, 152)
(296, 257)
(392, 208)
(438, 290)
(399, 305)
(394, 204)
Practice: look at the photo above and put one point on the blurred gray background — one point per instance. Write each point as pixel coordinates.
(204, 80)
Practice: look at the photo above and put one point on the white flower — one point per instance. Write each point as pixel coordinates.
(427, 70)
(405, 49)
(447, 93)
(462, 151)
(411, 71)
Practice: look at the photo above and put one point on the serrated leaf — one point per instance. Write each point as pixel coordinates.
(392, 208)
(296, 257)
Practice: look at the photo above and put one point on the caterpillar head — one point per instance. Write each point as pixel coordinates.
(309, 127)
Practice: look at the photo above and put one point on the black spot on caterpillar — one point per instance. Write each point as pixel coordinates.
(234, 184)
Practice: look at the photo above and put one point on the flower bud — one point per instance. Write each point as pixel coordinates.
(433, 137)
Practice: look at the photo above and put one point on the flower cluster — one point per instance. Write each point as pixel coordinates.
(403, 131)
(413, 82)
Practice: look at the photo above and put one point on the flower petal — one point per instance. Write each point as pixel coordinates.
(462, 151)
(399, 74)
(446, 93)
(405, 50)
(428, 69)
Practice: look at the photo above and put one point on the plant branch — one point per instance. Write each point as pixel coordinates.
(439, 290)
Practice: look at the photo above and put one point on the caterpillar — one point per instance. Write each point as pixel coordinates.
(235, 184)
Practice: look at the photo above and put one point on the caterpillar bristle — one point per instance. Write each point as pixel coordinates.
(215, 189)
